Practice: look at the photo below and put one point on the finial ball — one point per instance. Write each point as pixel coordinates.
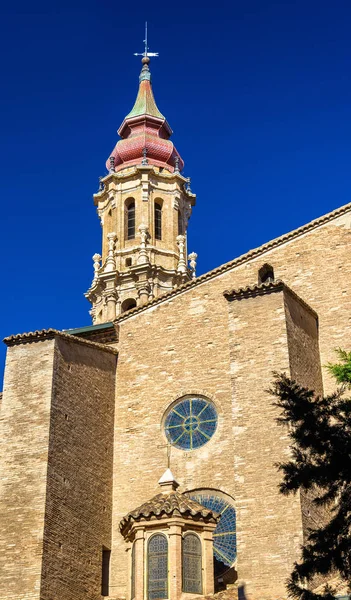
(145, 60)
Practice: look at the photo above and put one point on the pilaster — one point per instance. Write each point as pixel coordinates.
(208, 579)
(139, 563)
(175, 561)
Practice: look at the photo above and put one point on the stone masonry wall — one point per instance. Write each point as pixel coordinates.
(24, 440)
(79, 491)
(56, 448)
(181, 346)
(303, 344)
(175, 349)
(269, 525)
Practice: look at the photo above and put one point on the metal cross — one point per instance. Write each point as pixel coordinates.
(169, 448)
(146, 51)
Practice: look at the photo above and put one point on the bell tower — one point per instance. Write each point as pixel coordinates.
(144, 204)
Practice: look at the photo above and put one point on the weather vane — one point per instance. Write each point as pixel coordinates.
(146, 52)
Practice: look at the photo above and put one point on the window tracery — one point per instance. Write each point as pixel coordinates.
(191, 423)
(157, 569)
(192, 564)
(224, 536)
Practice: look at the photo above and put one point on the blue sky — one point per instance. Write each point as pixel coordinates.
(258, 94)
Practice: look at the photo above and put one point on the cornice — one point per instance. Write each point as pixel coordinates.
(263, 289)
(50, 334)
(244, 258)
(254, 290)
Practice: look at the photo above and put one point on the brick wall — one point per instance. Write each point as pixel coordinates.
(181, 346)
(24, 440)
(56, 469)
(269, 525)
(79, 491)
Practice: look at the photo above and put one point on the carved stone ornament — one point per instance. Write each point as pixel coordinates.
(110, 261)
(143, 255)
(192, 260)
(181, 261)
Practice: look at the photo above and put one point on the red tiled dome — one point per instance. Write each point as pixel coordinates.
(145, 128)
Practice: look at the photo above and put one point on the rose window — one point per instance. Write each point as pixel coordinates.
(191, 423)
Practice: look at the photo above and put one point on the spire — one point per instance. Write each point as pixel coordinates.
(145, 131)
(145, 102)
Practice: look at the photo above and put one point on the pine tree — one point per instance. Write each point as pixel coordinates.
(320, 433)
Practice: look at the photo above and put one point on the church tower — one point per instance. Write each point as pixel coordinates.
(144, 204)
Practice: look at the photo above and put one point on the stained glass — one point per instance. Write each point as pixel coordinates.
(192, 564)
(191, 423)
(157, 567)
(224, 536)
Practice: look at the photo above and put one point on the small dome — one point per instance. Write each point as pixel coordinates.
(168, 504)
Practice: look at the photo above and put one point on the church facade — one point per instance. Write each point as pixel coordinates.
(173, 373)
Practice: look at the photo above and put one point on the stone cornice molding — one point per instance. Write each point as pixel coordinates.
(50, 334)
(263, 289)
(130, 172)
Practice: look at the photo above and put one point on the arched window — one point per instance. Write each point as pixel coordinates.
(266, 274)
(157, 567)
(128, 304)
(132, 590)
(130, 205)
(180, 223)
(158, 221)
(224, 536)
(192, 564)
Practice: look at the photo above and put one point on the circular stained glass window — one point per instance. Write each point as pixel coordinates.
(190, 423)
(224, 536)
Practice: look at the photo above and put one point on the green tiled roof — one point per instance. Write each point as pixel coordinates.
(145, 103)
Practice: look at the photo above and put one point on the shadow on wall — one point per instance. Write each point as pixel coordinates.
(223, 576)
(241, 592)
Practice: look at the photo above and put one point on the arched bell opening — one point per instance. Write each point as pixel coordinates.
(128, 304)
(266, 274)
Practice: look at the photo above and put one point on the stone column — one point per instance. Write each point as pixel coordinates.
(139, 563)
(207, 561)
(111, 299)
(175, 561)
(143, 288)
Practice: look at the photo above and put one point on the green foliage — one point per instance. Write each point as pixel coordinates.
(342, 370)
(320, 432)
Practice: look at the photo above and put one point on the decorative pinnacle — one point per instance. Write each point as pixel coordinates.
(168, 481)
(145, 160)
(112, 164)
(192, 259)
(176, 162)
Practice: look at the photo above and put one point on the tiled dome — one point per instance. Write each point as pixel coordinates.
(145, 128)
(169, 503)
